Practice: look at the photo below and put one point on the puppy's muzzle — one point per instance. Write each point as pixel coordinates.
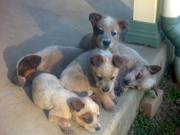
(19, 81)
(106, 43)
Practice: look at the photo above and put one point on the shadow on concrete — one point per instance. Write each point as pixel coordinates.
(55, 33)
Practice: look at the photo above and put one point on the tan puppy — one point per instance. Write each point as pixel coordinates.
(52, 59)
(94, 70)
(135, 72)
(63, 104)
(106, 31)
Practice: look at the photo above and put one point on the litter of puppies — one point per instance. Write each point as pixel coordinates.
(64, 78)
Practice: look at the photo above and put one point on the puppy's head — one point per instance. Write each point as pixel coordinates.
(26, 69)
(105, 70)
(106, 30)
(86, 113)
(142, 77)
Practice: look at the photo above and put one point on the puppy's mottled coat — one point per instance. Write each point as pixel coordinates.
(63, 104)
(52, 59)
(135, 72)
(94, 70)
(106, 31)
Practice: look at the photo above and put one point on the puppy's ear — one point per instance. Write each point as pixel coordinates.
(96, 99)
(34, 60)
(117, 61)
(153, 69)
(123, 24)
(77, 105)
(155, 89)
(94, 18)
(96, 60)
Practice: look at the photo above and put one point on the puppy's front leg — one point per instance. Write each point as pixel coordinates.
(64, 124)
(113, 96)
(106, 100)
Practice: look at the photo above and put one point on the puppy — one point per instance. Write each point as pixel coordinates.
(52, 59)
(96, 71)
(135, 72)
(106, 31)
(63, 104)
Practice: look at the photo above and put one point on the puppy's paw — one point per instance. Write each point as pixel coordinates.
(115, 100)
(68, 131)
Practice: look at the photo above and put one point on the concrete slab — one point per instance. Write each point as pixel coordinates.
(27, 26)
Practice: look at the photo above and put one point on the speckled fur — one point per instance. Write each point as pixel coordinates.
(135, 72)
(106, 31)
(82, 75)
(48, 94)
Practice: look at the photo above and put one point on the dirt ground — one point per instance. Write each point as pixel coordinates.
(167, 119)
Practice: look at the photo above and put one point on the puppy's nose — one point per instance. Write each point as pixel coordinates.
(97, 128)
(105, 89)
(126, 82)
(106, 43)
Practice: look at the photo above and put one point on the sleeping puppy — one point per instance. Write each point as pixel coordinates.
(106, 31)
(135, 72)
(94, 71)
(63, 104)
(52, 59)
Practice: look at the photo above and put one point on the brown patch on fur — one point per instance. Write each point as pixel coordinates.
(123, 24)
(94, 17)
(77, 105)
(87, 117)
(117, 61)
(28, 65)
(96, 99)
(30, 74)
(34, 60)
(96, 60)
(153, 69)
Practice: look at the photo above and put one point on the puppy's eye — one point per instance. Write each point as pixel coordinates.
(113, 33)
(112, 78)
(99, 78)
(88, 121)
(100, 31)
